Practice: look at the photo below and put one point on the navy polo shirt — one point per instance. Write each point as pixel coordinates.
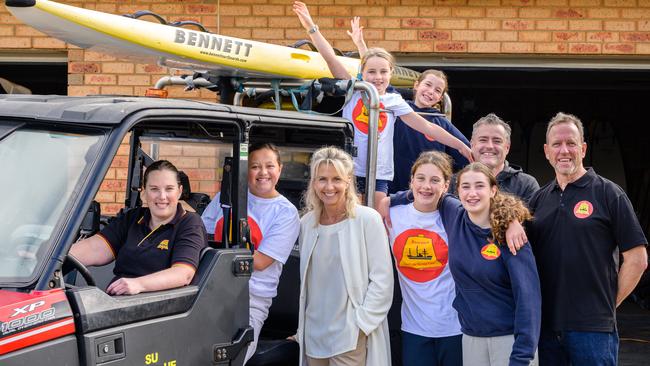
(140, 251)
(576, 235)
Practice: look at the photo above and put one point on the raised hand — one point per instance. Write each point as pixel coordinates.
(356, 33)
(302, 12)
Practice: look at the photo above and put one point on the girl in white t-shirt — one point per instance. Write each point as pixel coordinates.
(376, 68)
(274, 227)
(431, 333)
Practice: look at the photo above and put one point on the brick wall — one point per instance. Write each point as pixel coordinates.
(543, 27)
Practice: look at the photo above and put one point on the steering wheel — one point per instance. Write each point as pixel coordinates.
(71, 263)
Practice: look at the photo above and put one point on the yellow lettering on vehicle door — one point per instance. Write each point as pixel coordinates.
(151, 358)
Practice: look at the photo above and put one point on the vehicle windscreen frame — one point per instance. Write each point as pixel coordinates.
(40, 164)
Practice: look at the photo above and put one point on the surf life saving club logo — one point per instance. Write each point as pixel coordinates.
(490, 251)
(360, 117)
(164, 245)
(583, 209)
(421, 255)
(255, 231)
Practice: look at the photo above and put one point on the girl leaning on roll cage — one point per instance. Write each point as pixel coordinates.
(428, 92)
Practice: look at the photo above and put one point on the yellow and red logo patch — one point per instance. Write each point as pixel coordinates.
(421, 255)
(255, 231)
(164, 245)
(583, 209)
(360, 117)
(490, 252)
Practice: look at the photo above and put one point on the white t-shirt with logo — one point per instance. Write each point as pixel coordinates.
(356, 112)
(274, 228)
(419, 245)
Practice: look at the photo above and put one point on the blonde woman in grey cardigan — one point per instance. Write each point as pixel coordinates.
(345, 269)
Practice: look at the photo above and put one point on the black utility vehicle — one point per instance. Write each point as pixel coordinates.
(55, 153)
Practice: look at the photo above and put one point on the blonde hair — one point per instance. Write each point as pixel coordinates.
(439, 159)
(377, 52)
(342, 162)
(504, 207)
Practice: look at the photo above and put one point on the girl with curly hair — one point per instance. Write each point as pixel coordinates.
(497, 293)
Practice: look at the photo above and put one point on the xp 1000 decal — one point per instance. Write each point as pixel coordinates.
(27, 319)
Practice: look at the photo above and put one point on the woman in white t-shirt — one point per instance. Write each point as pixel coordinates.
(431, 333)
(274, 227)
(376, 68)
(346, 277)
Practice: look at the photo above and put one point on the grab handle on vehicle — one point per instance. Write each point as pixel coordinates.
(225, 352)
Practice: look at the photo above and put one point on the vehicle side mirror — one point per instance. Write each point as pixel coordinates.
(90, 223)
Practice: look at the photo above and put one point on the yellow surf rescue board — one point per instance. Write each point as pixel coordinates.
(180, 48)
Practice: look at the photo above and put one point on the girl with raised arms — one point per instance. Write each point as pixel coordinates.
(428, 92)
(376, 68)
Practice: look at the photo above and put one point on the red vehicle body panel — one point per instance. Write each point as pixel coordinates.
(31, 318)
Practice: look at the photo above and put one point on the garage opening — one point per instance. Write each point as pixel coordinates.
(37, 77)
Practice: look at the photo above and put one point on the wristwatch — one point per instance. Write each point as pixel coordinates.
(313, 29)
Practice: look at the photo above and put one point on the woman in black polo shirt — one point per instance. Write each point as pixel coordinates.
(155, 247)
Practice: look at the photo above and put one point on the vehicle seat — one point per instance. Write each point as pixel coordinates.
(198, 201)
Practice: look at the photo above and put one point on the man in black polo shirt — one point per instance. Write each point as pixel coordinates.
(582, 221)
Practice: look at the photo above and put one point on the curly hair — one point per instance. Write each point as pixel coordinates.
(504, 207)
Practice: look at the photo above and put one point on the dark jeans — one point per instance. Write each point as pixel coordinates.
(578, 348)
(426, 351)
